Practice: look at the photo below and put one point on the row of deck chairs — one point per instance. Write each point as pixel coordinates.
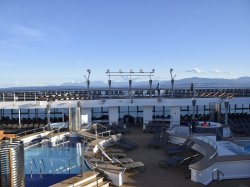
(240, 123)
(118, 128)
(178, 161)
(23, 126)
(114, 159)
(240, 127)
(181, 148)
(113, 128)
(124, 143)
(154, 127)
(161, 140)
(117, 156)
(178, 155)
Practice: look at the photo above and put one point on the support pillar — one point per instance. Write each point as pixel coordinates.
(109, 82)
(211, 111)
(86, 116)
(193, 105)
(175, 113)
(113, 114)
(76, 116)
(70, 119)
(130, 88)
(19, 119)
(226, 113)
(48, 113)
(150, 87)
(147, 115)
(217, 112)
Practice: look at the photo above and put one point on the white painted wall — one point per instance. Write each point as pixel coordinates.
(147, 114)
(113, 114)
(120, 102)
(234, 169)
(87, 111)
(175, 113)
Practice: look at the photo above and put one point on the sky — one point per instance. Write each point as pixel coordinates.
(49, 42)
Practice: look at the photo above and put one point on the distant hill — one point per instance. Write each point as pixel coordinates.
(198, 82)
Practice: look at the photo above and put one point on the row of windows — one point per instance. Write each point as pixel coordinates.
(134, 111)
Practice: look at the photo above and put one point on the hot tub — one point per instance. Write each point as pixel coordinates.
(209, 127)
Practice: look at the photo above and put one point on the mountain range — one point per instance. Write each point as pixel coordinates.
(181, 83)
(186, 82)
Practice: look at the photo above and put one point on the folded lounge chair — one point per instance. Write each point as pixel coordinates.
(177, 161)
(126, 163)
(182, 162)
(124, 143)
(183, 148)
(137, 166)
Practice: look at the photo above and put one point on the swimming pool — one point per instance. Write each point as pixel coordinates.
(245, 144)
(230, 148)
(44, 161)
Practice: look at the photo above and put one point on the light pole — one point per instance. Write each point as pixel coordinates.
(109, 82)
(130, 83)
(193, 104)
(87, 80)
(226, 112)
(172, 82)
(150, 81)
(131, 74)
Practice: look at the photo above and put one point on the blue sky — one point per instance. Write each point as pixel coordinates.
(48, 42)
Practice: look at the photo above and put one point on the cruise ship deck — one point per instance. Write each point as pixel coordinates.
(26, 112)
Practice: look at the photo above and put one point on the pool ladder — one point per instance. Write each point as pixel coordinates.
(217, 175)
(81, 162)
(42, 168)
(32, 162)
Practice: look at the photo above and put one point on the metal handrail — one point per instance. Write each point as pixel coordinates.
(31, 167)
(86, 139)
(57, 128)
(97, 160)
(93, 169)
(24, 133)
(218, 173)
(70, 161)
(36, 95)
(58, 140)
(102, 133)
(44, 168)
(117, 161)
(221, 136)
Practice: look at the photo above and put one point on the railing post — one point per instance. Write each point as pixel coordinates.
(31, 169)
(41, 176)
(81, 165)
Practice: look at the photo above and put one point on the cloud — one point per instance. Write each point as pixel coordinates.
(27, 31)
(217, 71)
(195, 70)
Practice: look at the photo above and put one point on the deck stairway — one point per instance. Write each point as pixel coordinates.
(88, 179)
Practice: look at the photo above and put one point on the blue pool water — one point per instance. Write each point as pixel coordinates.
(245, 144)
(228, 148)
(45, 162)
